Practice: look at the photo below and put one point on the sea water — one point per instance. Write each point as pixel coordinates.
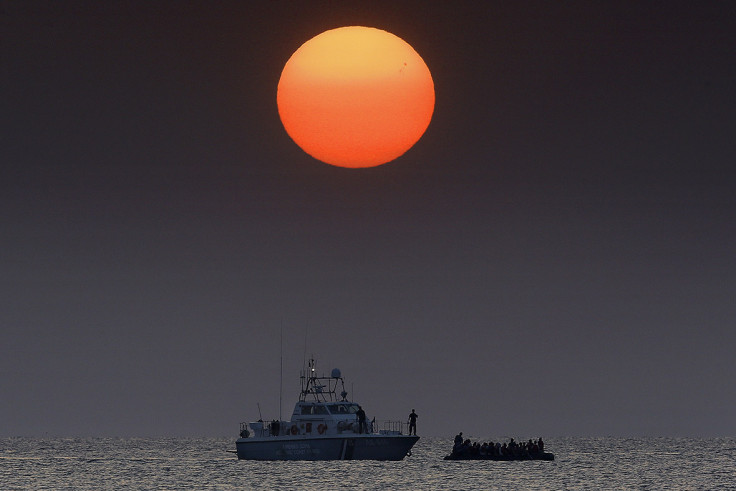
(205, 463)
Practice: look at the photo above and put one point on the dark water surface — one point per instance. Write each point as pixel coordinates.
(203, 463)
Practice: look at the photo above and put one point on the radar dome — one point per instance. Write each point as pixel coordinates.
(336, 373)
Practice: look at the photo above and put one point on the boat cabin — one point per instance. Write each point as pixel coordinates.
(323, 409)
(303, 410)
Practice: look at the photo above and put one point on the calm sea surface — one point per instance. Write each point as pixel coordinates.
(581, 463)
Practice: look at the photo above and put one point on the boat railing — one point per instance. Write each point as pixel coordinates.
(283, 428)
(392, 427)
(262, 429)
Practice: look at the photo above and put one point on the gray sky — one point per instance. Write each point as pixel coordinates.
(553, 257)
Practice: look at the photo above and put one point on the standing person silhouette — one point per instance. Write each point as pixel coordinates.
(361, 420)
(413, 422)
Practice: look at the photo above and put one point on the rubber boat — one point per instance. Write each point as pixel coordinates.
(534, 456)
(323, 426)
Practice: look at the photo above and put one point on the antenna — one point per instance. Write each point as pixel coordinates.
(260, 418)
(304, 359)
(281, 366)
(303, 379)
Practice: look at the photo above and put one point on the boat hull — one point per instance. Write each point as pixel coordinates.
(538, 456)
(354, 447)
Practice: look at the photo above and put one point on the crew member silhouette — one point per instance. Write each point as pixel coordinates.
(363, 428)
(413, 422)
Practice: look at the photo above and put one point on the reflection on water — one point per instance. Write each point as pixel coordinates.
(581, 463)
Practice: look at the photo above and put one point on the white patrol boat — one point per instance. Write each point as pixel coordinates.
(323, 427)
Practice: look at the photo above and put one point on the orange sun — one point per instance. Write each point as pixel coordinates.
(355, 97)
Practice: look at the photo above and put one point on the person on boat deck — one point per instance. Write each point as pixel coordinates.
(458, 443)
(413, 422)
(362, 427)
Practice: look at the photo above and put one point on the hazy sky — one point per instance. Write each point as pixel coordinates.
(554, 257)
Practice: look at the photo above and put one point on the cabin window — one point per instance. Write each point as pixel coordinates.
(309, 410)
(343, 408)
